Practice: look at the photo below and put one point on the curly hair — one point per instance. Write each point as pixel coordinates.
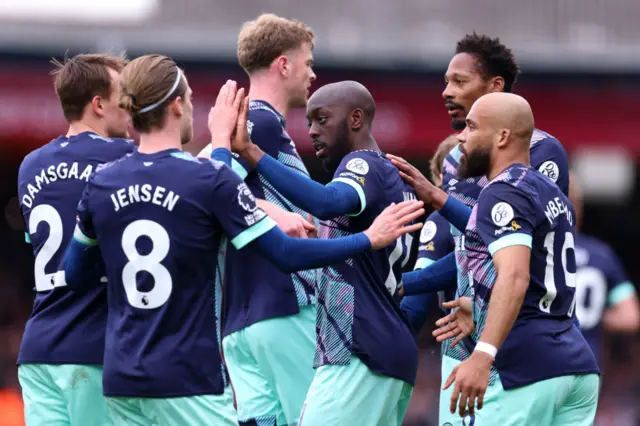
(494, 58)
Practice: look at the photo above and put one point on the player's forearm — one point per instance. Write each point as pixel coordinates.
(439, 276)
(456, 213)
(624, 317)
(83, 266)
(223, 155)
(506, 299)
(295, 254)
(324, 202)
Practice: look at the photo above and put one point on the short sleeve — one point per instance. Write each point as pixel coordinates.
(265, 131)
(550, 158)
(236, 209)
(360, 171)
(620, 288)
(435, 240)
(85, 232)
(505, 217)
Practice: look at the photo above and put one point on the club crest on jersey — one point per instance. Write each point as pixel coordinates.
(428, 231)
(246, 199)
(358, 165)
(550, 170)
(502, 213)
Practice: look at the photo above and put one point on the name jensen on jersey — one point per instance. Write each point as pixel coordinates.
(53, 173)
(555, 208)
(144, 194)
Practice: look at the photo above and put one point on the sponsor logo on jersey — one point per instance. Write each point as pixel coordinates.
(502, 213)
(358, 165)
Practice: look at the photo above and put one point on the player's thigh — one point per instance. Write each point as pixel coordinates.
(345, 395)
(531, 404)
(44, 402)
(256, 398)
(201, 410)
(82, 389)
(579, 408)
(127, 412)
(284, 349)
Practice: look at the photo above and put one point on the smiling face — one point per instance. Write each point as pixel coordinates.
(330, 132)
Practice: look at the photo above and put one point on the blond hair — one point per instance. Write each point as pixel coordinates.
(262, 40)
(79, 79)
(435, 165)
(145, 81)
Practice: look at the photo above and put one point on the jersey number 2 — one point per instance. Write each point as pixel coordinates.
(46, 213)
(149, 263)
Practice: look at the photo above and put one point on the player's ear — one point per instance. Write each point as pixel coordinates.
(357, 119)
(283, 65)
(504, 136)
(97, 106)
(177, 106)
(496, 84)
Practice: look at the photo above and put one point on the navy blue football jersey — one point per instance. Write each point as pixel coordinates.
(546, 153)
(601, 283)
(64, 327)
(159, 220)
(435, 243)
(263, 291)
(522, 207)
(357, 314)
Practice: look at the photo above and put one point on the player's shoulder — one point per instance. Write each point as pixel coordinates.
(263, 116)
(364, 162)
(548, 156)
(434, 226)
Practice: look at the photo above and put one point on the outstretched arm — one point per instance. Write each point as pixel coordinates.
(439, 276)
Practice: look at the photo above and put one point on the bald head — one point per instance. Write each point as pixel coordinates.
(347, 95)
(507, 111)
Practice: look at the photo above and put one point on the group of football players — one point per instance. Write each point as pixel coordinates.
(231, 288)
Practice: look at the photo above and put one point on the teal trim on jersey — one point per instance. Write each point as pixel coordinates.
(621, 293)
(359, 190)
(239, 169)
(253, 232)
(83, 239)
(510, 240)
(456, 153)
(423, 262)
(27, 238)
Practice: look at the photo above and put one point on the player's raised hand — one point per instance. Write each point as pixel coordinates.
(425, 190)
(223, 116)
(394, 222)
(241, 140)
(458, 324)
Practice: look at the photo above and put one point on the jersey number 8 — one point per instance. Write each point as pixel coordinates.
(150, 263)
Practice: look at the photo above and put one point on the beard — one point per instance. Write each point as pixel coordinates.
(458, 125)
(340, 147)
(115, 133)
(475, 164)
(186, 133)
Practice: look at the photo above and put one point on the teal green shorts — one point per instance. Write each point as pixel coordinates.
(566, 400)
(271, 367)
(348, 395)
(202, 410)
(65, 394)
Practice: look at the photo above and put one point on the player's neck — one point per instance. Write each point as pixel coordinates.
(157, 141)
(78, 127)
(502, 164)
(367, 142)
(263, 89)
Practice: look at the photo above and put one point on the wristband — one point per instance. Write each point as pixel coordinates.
(486, 348)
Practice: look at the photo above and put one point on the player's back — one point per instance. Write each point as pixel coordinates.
(65, 327)
(357, 311)
(153, 216)
(517, 206)
(600, 283)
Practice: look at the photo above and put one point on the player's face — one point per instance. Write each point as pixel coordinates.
(116, 119)
(329, 130)
(477, 145)
(464, 85)
(186, 121)
(301, 75)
